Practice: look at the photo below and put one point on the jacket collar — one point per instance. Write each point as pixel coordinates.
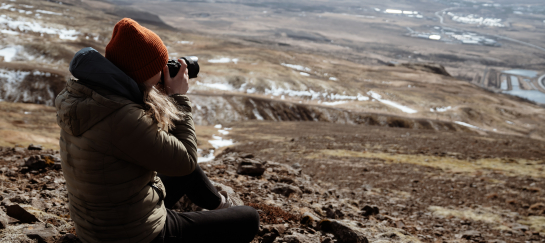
(98, 73)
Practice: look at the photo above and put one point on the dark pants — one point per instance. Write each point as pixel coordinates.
(235, 224)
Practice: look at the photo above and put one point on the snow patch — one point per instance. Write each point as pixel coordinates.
(440, 109)
(296, 67)
(219, 142)
(467, 125)
(391, 103)
(216, 142)
(220, 86)
(8, 53)
(334, 102)
(48, 12)
(23, 26)
(223, 60)
(6, 6)
(185, 42)
(304, 74)
(9, 32)
(256, 112)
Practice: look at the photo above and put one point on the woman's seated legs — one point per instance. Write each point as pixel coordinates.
(196, 186)
(235, 224)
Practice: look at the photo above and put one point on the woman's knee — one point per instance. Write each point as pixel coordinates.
(251, 219)
(250, 214)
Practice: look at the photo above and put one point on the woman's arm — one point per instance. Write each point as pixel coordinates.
(137, 137)
(184, 129)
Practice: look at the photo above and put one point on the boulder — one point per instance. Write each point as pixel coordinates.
(41, 232)
(343, 231)
(19, 213)
(309, 218)
(19, 150)
(35, 147)
(286, 190)
(333, 213)
(21, 198)
(250, 167)
(35, 162)
(470, 234)
(369, 210)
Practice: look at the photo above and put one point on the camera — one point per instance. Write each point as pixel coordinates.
(174, 66)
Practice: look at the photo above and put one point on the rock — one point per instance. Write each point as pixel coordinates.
(344, 231)
(269, 238)
(300, 238)
(427, 67)
(21, 214)
(40, 204)
(286, 190)
(41, 232)
(230, 192)
(69, 238)
(369, 210)
(296, 166)
(21, 198)
(521, 227)
(250, 167)
(246, 156)
(4, 221)
(35, 147)
(310, 219)
(19, 150)
(6, 202)
(333, 213)
(35, 162)
(318, 209)
(470, 234)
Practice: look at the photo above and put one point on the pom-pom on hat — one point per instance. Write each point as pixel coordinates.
(136, 50)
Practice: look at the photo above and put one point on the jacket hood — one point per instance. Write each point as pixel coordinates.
(94, 70)
(100, 89)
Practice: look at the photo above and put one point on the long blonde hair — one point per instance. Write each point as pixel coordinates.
(161, 108)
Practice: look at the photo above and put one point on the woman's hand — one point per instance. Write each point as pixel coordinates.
(179, 84)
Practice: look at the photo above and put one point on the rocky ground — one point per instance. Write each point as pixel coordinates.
(388, 202)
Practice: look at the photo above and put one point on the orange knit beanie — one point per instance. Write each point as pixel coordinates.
(136, 50)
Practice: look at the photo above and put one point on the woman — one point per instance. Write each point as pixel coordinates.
(119, 130)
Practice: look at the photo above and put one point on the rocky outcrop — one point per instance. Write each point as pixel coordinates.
(425, 67)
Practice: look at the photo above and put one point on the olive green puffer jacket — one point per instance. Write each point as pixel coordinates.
(110, 151)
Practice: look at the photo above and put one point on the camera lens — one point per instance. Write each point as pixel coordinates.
(174, 67)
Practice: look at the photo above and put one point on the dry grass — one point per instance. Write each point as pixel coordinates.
(273, 215)
(487, 215)
(500, 219)
(28, 123)
(522, 167)
(536, 223)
